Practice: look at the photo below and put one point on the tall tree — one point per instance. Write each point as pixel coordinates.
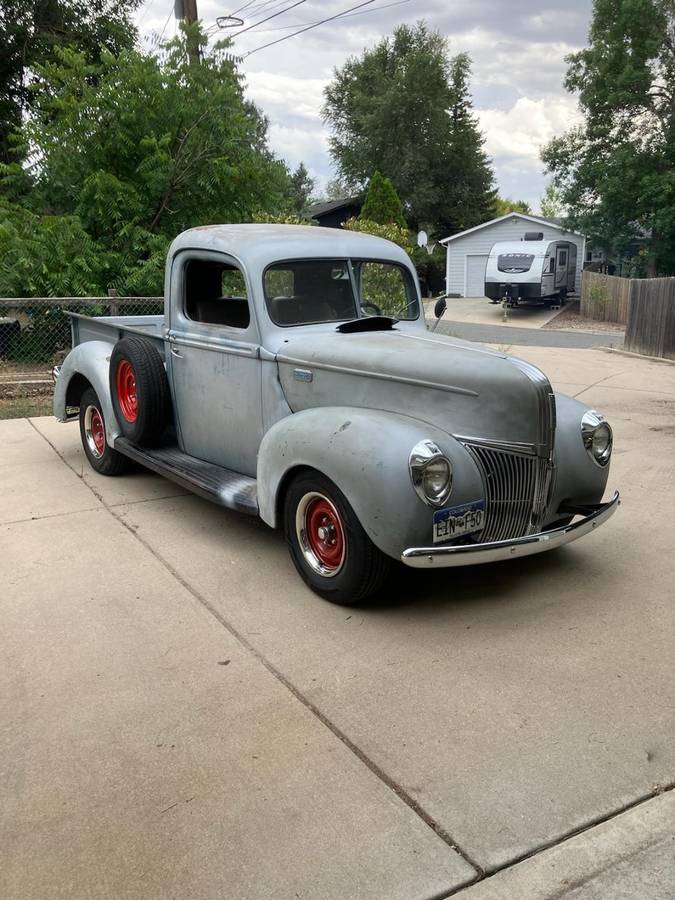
(505, 205)
(31, 32)
(552, 204)
(382, 203)
(139, 147)
(301, 187)
(403, 107)
(616, 171)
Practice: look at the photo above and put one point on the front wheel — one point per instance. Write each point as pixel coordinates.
(328, 545)
(102, 458)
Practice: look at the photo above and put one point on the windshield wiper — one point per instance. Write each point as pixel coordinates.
(368, 323)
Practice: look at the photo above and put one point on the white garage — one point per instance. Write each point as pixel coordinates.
(467, 251)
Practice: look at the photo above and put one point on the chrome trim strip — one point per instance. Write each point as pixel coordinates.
(506, 446)
(223, 345)
(381, 376)
(474, 554)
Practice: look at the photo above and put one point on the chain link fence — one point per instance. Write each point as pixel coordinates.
(35, 336)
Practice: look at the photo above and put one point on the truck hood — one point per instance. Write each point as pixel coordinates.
(461, 388)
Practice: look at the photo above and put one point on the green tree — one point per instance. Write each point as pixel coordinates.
(552, 205)
(300, 188)
(382, 203)
(616, 171)
(403, 107)
(31, 33)
(136, 148)
(504, 205)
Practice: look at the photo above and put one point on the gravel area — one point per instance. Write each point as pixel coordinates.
(570, 318)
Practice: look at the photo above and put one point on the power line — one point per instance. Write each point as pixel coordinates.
(307, 27)
(273, 16)
(165, 24)
(241, 8)
(344, 15)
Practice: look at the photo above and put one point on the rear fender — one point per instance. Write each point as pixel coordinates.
(91, 360)
(365, 453)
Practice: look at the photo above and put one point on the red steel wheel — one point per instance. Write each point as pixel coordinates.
(127, 396)
(94, 431)
(328, 545)
(321, 534)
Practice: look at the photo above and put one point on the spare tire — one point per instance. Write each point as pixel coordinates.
(139, 390)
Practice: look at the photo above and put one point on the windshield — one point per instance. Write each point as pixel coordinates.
(302, 292)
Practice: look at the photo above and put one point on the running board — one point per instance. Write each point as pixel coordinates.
(221, 486)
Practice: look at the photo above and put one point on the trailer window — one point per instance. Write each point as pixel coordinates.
(215, 294)
(562, 257)
(551, 265)
(514, 263)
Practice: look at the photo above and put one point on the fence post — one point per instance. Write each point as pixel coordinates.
(113, 306)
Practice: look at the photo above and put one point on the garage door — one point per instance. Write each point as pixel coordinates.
(475, 275)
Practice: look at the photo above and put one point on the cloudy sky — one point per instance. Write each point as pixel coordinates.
(517, 47)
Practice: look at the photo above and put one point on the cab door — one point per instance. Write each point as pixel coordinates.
(214, 361)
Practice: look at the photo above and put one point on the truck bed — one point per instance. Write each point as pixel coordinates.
(112, 328)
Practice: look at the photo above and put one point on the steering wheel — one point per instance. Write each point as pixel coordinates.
(371, 308)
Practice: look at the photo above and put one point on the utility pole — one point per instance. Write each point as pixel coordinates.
(187, 9)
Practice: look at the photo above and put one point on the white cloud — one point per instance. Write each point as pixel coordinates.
(518, 51)
(522, 130)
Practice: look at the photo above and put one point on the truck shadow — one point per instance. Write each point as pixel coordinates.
(499, 583)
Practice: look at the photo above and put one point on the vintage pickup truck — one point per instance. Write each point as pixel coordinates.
(292, 376)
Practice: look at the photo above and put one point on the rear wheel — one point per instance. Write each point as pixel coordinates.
(328, 545)
(102, 458)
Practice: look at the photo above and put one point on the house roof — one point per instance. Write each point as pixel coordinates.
(321, 209)
(535, 220)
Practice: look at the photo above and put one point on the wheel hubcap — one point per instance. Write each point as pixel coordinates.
(94, 431)
(126, 390)
(320, 534)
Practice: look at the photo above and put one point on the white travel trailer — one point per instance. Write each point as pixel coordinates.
(532, 270)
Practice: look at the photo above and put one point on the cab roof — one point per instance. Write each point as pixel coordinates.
(262, 244)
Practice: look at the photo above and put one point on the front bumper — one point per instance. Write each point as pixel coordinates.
(473, 554)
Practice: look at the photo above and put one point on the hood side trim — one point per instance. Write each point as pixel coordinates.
(381, 376)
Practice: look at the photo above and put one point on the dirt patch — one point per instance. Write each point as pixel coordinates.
(570, 319)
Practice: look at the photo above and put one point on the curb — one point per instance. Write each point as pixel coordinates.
(656, 359)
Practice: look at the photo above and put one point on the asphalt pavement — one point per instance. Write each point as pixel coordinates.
(528, 337)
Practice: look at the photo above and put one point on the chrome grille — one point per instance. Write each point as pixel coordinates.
(516, 489)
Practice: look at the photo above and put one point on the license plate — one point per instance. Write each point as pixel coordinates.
(459, 520)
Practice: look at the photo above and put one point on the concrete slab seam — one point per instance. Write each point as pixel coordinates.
(557, 842)
(400, 792)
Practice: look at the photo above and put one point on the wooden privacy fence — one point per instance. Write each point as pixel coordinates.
(651, 318)
(605, 298)
(646, 306)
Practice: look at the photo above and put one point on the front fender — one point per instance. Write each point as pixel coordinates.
(365, 453)
(92, 361)
(578, 479)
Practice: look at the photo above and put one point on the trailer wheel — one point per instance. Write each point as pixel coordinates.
(101, 456)
(328, 545)
(140, 390)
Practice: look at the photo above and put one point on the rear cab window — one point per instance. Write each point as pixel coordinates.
(215, 294)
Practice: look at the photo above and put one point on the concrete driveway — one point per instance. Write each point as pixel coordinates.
(181, 717)
(480, 311)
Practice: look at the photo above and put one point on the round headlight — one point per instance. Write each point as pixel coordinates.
(430, 472)
(597, 437)
(436, 479)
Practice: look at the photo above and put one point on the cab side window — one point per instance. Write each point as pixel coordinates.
(215, 294)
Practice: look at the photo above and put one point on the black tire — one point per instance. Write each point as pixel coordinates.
(139, 391)
(362, 567)
(102, 458)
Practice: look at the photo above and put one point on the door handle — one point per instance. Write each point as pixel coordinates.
(176, 352)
